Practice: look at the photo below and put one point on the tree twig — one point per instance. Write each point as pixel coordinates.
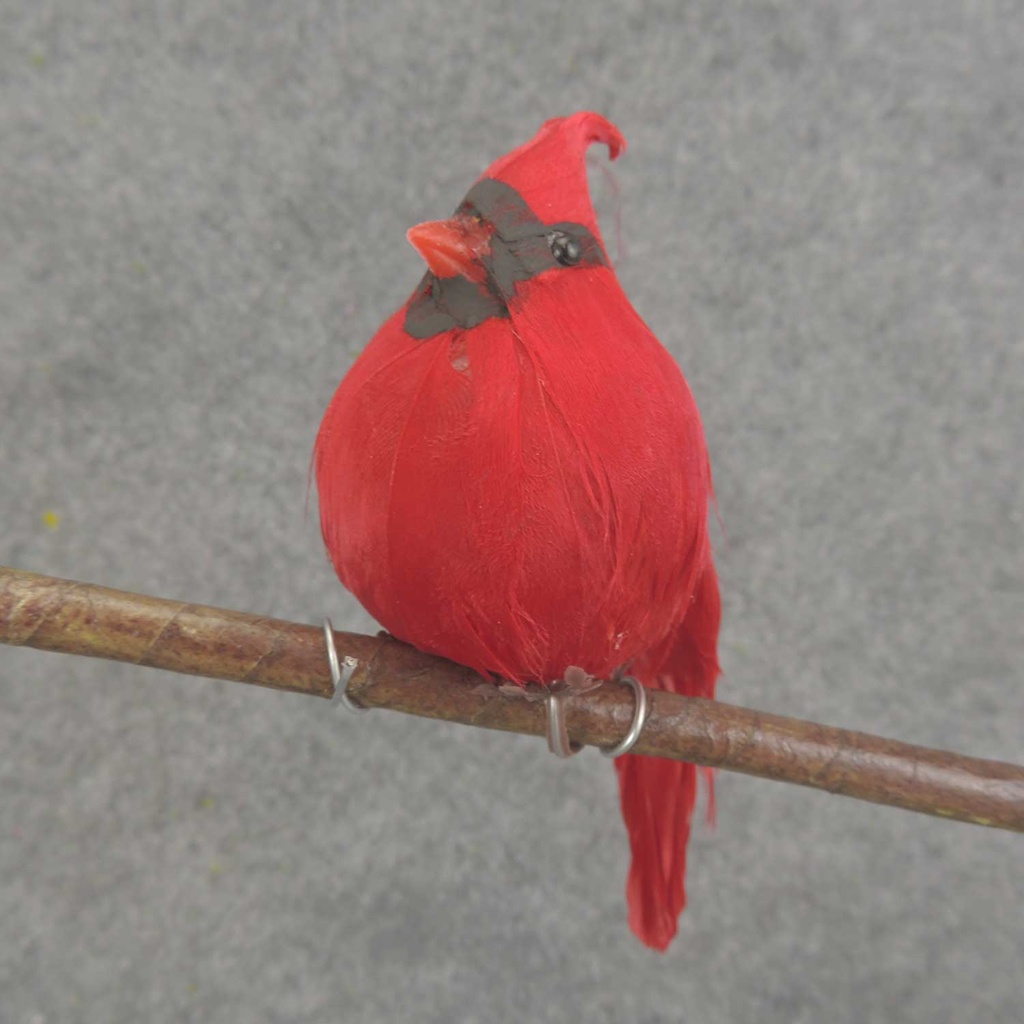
(79, 618)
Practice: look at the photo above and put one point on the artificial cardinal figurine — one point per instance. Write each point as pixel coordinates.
(513, 474)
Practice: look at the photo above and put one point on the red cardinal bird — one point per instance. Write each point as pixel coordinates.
(513, 474)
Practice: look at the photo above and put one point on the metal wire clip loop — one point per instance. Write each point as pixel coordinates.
(639, 720)
(340, 677)
(558, 735)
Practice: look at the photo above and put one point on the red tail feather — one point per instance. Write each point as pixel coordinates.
(658, 796)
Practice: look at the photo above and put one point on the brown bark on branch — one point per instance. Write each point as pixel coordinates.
(79, 618)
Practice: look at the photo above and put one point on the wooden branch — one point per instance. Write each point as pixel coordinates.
(78, 618)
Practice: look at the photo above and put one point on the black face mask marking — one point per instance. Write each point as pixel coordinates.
(522, 247)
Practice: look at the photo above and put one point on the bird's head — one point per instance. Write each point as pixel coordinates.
(530, 212)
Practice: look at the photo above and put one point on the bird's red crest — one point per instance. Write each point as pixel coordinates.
(549, 171)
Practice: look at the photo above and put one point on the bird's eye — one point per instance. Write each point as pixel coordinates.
(565, 249)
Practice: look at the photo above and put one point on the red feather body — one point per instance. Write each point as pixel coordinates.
(531, 493)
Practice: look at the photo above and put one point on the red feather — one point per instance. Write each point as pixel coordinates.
(514, 475)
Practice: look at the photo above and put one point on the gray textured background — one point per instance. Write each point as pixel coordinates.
(202, 211)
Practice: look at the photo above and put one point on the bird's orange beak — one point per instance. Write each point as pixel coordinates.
(452, 247)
